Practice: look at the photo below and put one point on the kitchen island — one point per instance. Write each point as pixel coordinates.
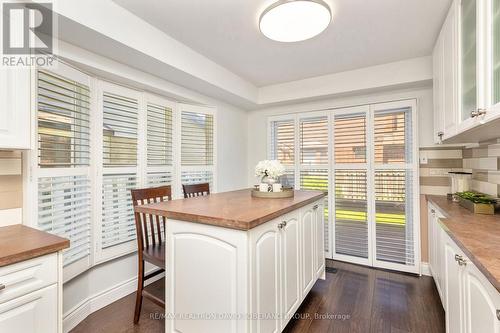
(235, 263)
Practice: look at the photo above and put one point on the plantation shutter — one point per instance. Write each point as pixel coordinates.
(63, 122)
(314, 163)
(64, 209)
(119, 130)
(159, 144)
(197, 145)
(120, 147)
(393, 148)
(350, 176)
(62, 168)
(282, 148)
(118, 225)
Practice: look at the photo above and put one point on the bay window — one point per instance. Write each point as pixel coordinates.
(96, 141)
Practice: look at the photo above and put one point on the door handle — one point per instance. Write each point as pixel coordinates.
(2, 286)
(315, 207)
(498, 314)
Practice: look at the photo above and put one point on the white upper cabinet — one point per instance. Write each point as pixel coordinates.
(466, 63)
(15, 108)
(445, 64)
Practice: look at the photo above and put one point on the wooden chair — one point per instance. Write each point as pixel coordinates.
(150, 241)
(195, 190)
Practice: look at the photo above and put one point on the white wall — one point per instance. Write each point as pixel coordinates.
(257, 120)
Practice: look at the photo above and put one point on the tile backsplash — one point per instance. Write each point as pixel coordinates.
(483, 161)
(434, 178)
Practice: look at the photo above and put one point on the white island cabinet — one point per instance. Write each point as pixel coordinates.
(240, 264)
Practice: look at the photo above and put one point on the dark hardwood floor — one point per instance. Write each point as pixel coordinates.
(355, 299)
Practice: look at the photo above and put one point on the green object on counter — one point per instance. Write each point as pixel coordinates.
(475, 197)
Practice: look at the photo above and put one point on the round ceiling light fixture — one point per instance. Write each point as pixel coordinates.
(295, 20)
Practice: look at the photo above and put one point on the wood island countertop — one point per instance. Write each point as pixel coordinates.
(234, 210)
(478, 236)
(19, 243)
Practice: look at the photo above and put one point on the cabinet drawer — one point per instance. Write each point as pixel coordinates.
(32, 313)
(27, 276)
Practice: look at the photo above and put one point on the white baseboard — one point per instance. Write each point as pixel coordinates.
(424, 269)
(95, 302)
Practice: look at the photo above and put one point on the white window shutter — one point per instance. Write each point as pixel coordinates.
(63, 187)
(197, 145)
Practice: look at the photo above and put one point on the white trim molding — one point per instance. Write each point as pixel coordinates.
(97, 301)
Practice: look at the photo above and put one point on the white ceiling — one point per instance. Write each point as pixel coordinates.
(363, 33)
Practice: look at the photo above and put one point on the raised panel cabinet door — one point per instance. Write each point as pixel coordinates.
(35, 312)
(319, 219)
(431, 240)
(438, 87)
(440, 261)
(290, 273)
(15, 108)
(207, 276)
(482, 301)
(266, 280)
(453, 282)
(449, 73)
(308, 249)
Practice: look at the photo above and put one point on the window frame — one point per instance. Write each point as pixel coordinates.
(96, 170)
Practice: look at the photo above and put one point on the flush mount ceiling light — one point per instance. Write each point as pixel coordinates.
(295, 20)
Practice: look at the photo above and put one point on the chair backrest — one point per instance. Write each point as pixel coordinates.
(195, 190)
(149, 227)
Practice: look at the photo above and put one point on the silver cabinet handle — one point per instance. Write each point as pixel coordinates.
(461, 261)
(284, 223)
(498, 314)
(433, 211)
(315, 207)
(280, 225)
(478, 113)
(2, 286)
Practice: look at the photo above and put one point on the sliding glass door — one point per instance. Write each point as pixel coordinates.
(364, 158)
(374, 186)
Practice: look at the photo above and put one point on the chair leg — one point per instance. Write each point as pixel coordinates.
(140, 287)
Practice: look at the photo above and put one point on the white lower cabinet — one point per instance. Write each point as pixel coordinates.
(260, 275)
(453, 285)
(265, 251)
(34, 312)
(308, 260)
(471, 303)
(290, 249)
(289, 252)
(30, 297)
(482, 307)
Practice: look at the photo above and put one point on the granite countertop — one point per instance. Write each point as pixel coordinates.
(233, 210)
(19, 243)
(478, 236)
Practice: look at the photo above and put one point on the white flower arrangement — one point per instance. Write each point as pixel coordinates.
(269, 168)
